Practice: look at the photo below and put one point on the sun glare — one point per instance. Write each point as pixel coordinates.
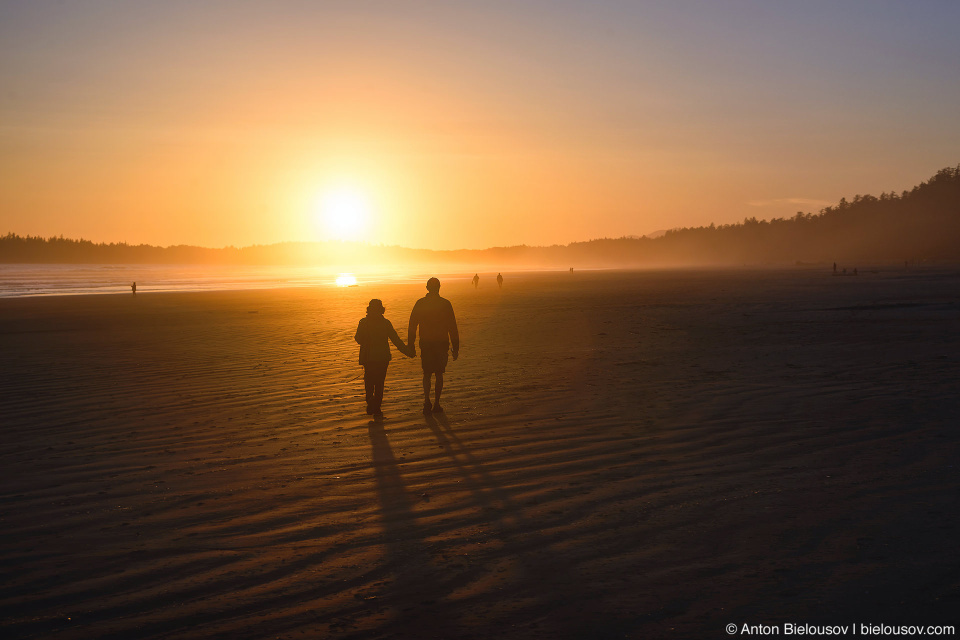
(346, 280)
(344, 213)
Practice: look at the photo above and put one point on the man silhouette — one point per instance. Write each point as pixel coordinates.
(500, 280)
(476, 280)
(434, 316)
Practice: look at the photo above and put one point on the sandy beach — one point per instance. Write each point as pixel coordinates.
(623, 455)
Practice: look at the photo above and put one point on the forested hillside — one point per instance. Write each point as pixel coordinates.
(921, 224)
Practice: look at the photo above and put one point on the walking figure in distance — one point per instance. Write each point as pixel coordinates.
(133, 287)
(476, 280)
(500, 280)
(372, 334)
(438, 330)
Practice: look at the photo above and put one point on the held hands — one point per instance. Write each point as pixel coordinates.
(411, 351)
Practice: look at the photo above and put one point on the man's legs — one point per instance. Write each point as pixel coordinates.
(439, 388)
(426, 391)
(437, 391)
(434, 360)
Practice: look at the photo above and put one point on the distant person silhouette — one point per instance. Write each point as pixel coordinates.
(476, 280)
(133, 288)
(834, 268)
(372, 334)
(500, 280)
(434, 316)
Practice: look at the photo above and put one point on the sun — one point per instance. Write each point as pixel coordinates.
(344, 212)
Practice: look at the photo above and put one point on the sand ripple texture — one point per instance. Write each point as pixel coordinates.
(622, 455)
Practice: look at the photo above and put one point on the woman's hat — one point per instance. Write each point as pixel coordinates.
(375, 305)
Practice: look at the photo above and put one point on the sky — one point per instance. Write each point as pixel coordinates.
(449, 125)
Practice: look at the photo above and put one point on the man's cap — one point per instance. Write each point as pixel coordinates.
(375, 305)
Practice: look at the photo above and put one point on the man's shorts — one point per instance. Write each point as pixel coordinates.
(433, 356)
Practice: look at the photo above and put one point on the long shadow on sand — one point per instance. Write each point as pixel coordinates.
(415, 611)
(483, 567)
(543, 593)
(485, 492)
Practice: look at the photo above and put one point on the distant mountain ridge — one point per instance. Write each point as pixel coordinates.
(921, 224)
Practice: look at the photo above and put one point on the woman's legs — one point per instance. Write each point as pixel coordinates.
(369, 385)
(374, 376)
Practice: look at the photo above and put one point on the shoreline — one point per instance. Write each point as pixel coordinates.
(21, 288)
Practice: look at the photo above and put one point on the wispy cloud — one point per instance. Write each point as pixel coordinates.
(810, 202)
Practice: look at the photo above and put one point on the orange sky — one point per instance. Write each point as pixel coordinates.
(460, 126)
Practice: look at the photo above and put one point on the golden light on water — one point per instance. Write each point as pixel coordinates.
(346, 280)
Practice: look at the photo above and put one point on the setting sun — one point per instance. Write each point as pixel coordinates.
(344, 213)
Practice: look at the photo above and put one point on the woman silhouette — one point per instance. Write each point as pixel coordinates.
(372, 334)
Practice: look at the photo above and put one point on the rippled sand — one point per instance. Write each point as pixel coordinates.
(622, 455)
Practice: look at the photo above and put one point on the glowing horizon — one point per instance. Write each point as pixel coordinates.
(459, 127)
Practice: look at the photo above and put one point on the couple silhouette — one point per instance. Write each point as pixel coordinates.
(434, 317)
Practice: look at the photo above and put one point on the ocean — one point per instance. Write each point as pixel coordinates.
(19, 280)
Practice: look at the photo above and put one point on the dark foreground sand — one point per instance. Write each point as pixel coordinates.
(634, 455)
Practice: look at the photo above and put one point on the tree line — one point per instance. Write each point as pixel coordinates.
(920, 224)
